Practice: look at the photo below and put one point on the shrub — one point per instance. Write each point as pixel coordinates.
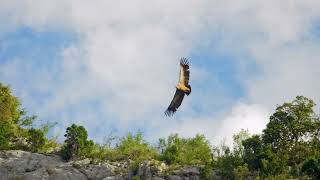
(186, 151)
(135, 148)
(242, 172)
(36, 139)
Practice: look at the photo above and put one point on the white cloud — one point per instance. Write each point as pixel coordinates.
(251, 117)
(288, 71)
(126, 58)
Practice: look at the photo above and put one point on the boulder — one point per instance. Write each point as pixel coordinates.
(157, 178)
(144, 171)
(96, 171)
(190, 171)
(173, 177)
(118, 177)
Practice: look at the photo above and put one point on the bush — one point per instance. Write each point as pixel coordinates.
(242, 172)
(186, 151)
(135, 148)
(76, 143)
(36, 139)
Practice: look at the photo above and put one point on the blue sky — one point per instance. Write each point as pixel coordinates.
(114, 69)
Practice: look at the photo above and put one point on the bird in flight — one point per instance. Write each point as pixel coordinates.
(182, 88)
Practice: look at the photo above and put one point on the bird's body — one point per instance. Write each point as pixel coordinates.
(182, 87)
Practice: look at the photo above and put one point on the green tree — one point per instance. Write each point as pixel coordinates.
(238, 138)
(9, 116)
(290, 124)
(17, 129)
(271, 163)
(253, 152)
(13, 119)
(229, 162)
(292, 131)
(76, 143)
(261, 158)
(9, 105)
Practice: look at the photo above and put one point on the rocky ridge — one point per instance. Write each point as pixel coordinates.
(21, 165)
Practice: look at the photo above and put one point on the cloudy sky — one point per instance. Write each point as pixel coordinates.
(112, 66)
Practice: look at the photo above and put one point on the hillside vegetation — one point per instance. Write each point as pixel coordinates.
(289, 146)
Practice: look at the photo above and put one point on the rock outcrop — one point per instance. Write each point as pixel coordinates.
(21, 165)
(25, 165)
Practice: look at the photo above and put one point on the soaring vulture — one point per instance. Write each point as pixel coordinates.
(182, 88)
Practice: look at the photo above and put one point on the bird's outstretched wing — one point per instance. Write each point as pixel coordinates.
(175, 103)
(184, 71)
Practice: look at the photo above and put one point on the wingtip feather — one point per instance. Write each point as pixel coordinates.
(184, 61)
(169, 113)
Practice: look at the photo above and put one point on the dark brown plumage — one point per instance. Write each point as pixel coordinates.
(182, 88)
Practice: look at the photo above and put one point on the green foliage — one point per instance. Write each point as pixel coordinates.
(206, 171)
(282, 176)
(290, 124)
(135, 178)
(242, 172)
(186, 151)
(237, 142)
(9, 116)
(135, 148)
(311, 167)
(131, 148)
(36, 139)
(6, 134)
(292, 135)
(50, 146)
(253, 152)
(14, 123)
(76, 143)
(9, 105)
(227, 162)
(272, 163)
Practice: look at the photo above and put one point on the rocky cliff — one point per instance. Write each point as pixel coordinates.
(21, 165)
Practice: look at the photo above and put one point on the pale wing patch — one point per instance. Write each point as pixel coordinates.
(181, 77)
(184, 72)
